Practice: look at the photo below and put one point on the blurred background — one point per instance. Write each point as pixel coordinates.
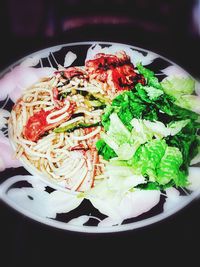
(171, 28)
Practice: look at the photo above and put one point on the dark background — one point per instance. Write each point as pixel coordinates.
(170, 28)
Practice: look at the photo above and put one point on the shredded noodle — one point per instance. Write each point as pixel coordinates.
(65, 157)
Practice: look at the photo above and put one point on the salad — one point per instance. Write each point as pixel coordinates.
(108, 128)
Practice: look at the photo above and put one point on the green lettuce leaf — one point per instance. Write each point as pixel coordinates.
(160, 163)
(145, 130)
(148, 157)
(104, 150)
(177, 86)
(150, 76)
(123, 142)
(191, 102)
(117, 130)
(152, 92)
(159, 130)
(163, 103)
(187, 141)
(118, 138)
(122, 177)
(105, 119)
(167, 106)
(147, 73)
(129, 105)
(182, 89)
(169, 168)
(140, 133)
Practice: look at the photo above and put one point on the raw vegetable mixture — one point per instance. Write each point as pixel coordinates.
(151, 132)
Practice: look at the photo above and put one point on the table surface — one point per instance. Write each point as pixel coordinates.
(177, 237)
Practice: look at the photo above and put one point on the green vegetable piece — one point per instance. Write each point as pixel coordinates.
(187, 142)
(74, 126)
(105, 119)
(169, 167)
(166, 104)
(148, 157)
(99, 97)
(177, 86)
(191, 102)
(149, 76)
(143, 94)
(63, 95)
(118, 137)
(154, 82)
(152, 92)
(158, 129)
(160, 163)
(182, 88)
(105, 150)
(144, 71)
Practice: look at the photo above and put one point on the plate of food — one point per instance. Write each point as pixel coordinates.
(98, 137)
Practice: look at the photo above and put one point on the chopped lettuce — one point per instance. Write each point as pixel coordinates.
(105, 199)
(168, 168)
(117, 130)
(124, 150)
(196, 159)
(140, 131)
(118, 138)
(104, 150)
(137, 104)
(177, 86)
(152, 92)
(122, 178)
(144, 71)
(159, 162)
(105, 119)
(148, 157)
(150, 76)
(122, 141)
(108, 194)
(191, 102)
(187, 141)
(159, 129)
(182, 89)
(151, 132)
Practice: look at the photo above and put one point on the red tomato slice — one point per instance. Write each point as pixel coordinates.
(37, 124)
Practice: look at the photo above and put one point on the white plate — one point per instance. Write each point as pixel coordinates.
(46, 202)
